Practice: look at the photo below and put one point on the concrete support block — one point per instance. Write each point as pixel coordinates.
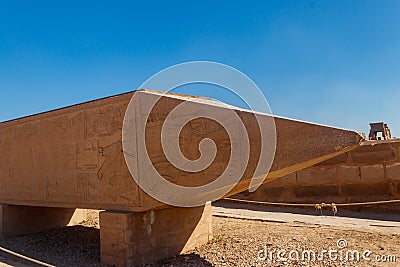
(23, 220)
(128, 239)
(372, 174)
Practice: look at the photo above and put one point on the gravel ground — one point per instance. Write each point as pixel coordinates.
(236, 242)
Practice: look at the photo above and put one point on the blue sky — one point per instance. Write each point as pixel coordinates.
(330, 62)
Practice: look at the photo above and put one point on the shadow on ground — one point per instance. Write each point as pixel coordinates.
(191, 260)
(71, 246)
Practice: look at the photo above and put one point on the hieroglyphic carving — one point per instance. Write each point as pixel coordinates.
(73, 157)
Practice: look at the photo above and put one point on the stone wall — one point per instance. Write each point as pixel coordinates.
(369, 173)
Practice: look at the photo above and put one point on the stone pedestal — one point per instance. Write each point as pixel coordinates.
(24, 220)
(128, 239)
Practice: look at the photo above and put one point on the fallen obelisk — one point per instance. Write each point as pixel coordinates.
(54, 162)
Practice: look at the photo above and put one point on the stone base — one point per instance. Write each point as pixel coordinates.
(24, 220)
(128, 239)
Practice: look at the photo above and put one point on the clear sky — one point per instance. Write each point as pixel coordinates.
(330, 62)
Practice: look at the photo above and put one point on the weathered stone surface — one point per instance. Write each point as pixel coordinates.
(381, 179)
(393, 171)
(129, 239)
(397, 188)
(275, 191)
(284, 181)
(317, 176)
(316, 191)
(372, 173)
(349, 174)
(373, 154)
(367, 190)
(341, 159)
(72, 157)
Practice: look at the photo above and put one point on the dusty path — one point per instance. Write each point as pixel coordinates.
(384, 221)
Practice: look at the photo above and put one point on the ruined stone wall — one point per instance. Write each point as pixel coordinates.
(369, 173)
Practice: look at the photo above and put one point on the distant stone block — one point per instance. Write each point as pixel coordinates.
(349, 175)
(393, 171)
(374, 154)
(317, 176)
(372, 173)
(367, 190)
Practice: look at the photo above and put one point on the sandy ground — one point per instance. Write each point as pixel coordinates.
(368, 220)
(237, 242)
